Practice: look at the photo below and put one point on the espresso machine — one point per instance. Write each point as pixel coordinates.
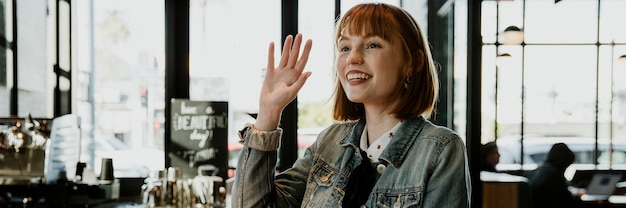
(22, 149)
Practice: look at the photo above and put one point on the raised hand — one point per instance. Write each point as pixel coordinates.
(282, 82)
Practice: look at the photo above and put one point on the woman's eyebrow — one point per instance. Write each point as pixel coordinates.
(367, 36)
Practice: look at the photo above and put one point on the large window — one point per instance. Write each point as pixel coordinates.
(559, 84)
(31, 30)
(316, 21)
(228, 54)
(5, 54)
(119, 83)
(113, 51)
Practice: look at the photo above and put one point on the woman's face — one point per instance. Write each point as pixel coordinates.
(369, 68)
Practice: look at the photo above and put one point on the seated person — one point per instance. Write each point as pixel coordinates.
(548, 184)
(490, 157)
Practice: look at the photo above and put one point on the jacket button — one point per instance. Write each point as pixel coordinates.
(380, 168)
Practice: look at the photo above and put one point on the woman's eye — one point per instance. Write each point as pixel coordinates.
(373, 45)
(344, 49)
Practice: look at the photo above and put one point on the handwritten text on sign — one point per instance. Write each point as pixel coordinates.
(202, 125)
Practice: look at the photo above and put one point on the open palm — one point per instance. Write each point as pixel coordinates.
(282, 82)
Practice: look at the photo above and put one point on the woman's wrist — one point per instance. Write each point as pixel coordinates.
(267, 120)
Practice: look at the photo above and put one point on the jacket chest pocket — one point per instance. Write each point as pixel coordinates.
(398, 199)
(324, 176)
(321, 188)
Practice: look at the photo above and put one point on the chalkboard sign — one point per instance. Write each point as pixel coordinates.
(199, 137)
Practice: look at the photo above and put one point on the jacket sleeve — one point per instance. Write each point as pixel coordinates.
(449, 185)
(256, 183)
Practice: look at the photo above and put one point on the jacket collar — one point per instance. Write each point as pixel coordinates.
(397, 149)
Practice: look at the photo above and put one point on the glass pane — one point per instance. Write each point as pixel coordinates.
(510, 14)
(460, 66)
(560, 106)
(316, 21)
(604, 91)
(619, 95)
(64, 95)
(501, 82)
(488, 93)
(489, 21)
(612, 14)
(34, 75)
(562, 22)
(64, 35)
(509, 90)
(119, 84)
(5, 90)
(497, 16)
(6, 57)
(226, 64)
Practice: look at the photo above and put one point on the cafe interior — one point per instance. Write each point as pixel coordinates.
(114, 103)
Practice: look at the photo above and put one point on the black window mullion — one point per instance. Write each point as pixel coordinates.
(63, 98)
(474, 88)
(176, 61)
(13, 46)
(288, 152)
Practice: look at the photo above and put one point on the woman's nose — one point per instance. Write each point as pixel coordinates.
(354, 57)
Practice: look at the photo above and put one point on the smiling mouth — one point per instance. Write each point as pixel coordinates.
(358, 76)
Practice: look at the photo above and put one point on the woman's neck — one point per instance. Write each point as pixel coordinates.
(378, 124)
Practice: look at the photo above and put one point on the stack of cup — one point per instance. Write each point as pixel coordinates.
(106, 171)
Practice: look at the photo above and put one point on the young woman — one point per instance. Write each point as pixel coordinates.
(382, 151)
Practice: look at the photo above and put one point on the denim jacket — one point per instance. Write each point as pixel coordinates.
(426, 166)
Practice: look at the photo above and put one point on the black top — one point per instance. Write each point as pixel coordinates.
(362, 180)
(548, 183)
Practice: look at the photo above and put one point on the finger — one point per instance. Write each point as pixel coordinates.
(301, 80)
(285, 53)
(295, 51)
(305, 55)
(270, 57)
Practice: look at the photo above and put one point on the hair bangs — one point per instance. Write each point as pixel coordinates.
(367, 21)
